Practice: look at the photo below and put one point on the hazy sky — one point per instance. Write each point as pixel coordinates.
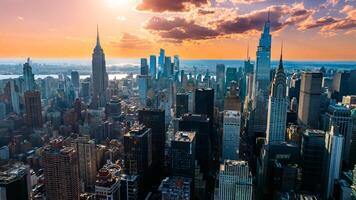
(220, 29)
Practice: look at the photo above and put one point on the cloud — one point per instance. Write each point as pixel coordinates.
(222, 22)
(168, 5)
(130, 41)
(178, 29)
(20, 18)
(247, 1)
(332, 24)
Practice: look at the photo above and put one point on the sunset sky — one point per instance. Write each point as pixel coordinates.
(194, 29)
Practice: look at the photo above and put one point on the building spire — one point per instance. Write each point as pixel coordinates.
(97, 36)
(248, 50)
(280, 67)
(268, 15)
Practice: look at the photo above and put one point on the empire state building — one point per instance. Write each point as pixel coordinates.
(99, 75)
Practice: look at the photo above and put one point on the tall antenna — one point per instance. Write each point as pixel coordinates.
(268, 15)
(248, 50)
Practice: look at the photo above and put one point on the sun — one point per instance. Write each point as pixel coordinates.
(116, 3)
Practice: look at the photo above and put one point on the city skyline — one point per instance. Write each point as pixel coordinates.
(132, 28)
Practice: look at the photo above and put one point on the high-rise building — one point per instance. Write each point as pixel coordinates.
(33, 109)
(129, 187)
(86, 150)
(235, 181)
(161, 60)
(340, 85)
(176, 63)
(14, 182)
(204, 102)
(107, 186)
(15, 99)
(334, 145)
(144, 66)
(201, 125)
(138, 150)
(60, 169)
(74, 75)
(153, 66)
(352, 156)
(143, 84)
(277, 107)
(220, 81)
(231, 75)
(183, 154)
(340, 116)
(155, 120)
(349, 100)
(312, 159)
(167, 67)
(262, 80)
(232, 100)
(231, 135)
(28, 76)
(309, 99)
(182, 101)
(176, 188)
(99, 75)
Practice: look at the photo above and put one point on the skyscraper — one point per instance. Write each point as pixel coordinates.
(14, 182)
(28, 76)
(181, 104)
(220, 81)
(161, 59)
(340, 116)
(277, 107)
(155, 120)
(153, 66)
(143, 84)
(231, 75)
(33, 109)
(15, 98)
(99, 75)
(334, 145)
(262, 80)
(309, 99)
(232, 100)
(183, 154)
(176, 63)
(74, 75)
(312, 159)
(235, 181)
(204, 102)
(231, 135)
(144, 66)
(60, 169)
(86, 151)
(176, 188)
(138, 150)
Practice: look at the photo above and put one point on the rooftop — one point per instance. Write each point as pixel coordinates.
(184, 136)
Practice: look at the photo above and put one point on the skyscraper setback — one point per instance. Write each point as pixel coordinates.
(99, 75)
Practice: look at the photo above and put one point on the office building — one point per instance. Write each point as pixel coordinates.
(161, 60)
(352, 157)
(220, 81)
(309, 100)
(262, 80)
(277, 107)
(204, 102)
(74, 75)
(129, 187)
(15, 98)
(340, 116)
(235, 181)
(138, 150)
(231, 135)
(349, 101)
(176, 63)
(334, 147)
(60, 169)
(14, 182)
(182, 103)
(340, 85)
(312, 159)
(176, 188)
(99, 76)
(155, 120)
(144, 66)
(153, 66)
(232, 100)
(183, 154)
(231, 75)
(143, 84)
(33, 109)
(107, 185)
(28, 76)
(86, 153)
